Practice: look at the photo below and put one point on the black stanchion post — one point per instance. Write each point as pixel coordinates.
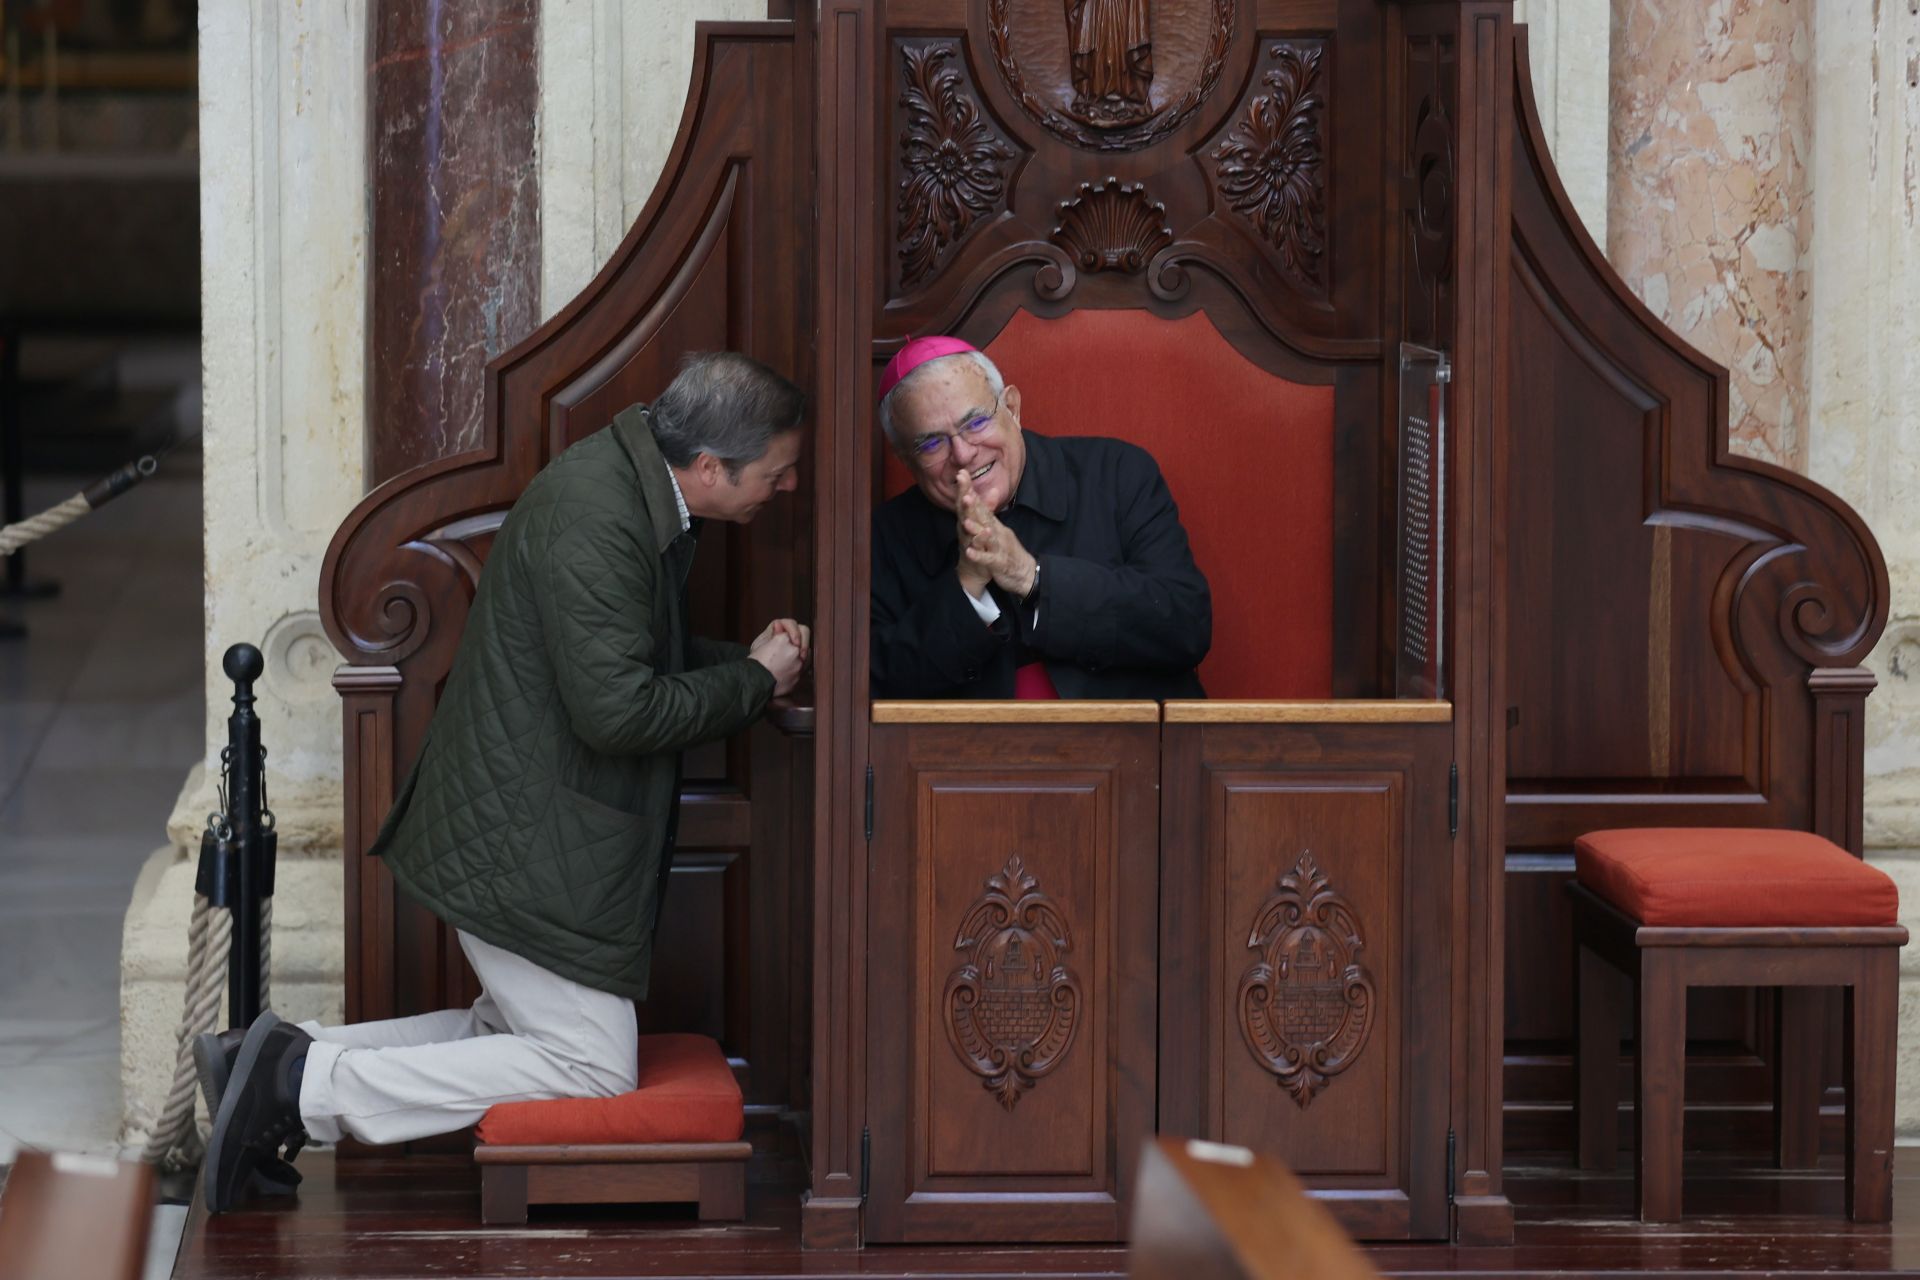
(244, 665)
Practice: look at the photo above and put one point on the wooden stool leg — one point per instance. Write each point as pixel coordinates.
(1798, 1050)
(1660, 1077)
(1599, 997)
(503, 1194)
(1873, 1014)
(723, 1191)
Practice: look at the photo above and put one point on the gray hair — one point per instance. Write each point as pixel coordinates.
(725, 404)
(995, 384)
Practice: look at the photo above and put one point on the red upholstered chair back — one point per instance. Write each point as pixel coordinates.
(1248, 455)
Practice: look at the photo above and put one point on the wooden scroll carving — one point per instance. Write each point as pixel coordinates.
(1012, 1005)
(1272, 165)
(1433, 190)
(1112, 227)
(1307, 1004)
(955, 165)
(1100, 86)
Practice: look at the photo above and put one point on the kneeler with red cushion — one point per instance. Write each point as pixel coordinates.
(674, 1139)
(1674, 908)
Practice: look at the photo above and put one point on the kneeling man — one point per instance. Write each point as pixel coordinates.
(1023, 565)
(539, 821)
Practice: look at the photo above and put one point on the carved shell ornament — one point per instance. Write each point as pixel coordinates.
(1110, 75)
(1112, 227)
(954, 163)
(1273, 163)
(1307, 1003)
(1012, 1006)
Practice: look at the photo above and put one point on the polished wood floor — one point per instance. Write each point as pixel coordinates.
(383, 1219)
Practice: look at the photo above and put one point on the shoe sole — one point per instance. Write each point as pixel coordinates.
(210, 1191)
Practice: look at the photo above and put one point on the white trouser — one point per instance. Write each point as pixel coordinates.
(532, 1034)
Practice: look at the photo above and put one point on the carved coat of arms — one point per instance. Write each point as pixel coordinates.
(1307, 1003)
(1012, 1005)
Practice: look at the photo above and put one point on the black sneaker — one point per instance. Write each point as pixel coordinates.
(259, 1110)
(213, 1058)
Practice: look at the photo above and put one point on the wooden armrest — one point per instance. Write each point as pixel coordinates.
(1049, 711)
(792, 718)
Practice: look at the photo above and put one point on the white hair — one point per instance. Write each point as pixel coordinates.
(995, 384)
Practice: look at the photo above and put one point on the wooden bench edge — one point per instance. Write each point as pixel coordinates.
(612, 1153)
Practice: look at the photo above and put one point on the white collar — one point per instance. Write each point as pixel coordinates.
(679, 500)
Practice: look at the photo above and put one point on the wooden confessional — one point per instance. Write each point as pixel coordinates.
(1485, 575)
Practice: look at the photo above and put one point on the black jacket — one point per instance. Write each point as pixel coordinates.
(1122, 610)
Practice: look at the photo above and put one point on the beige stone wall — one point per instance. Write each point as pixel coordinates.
(283, 300)
(1569, 54)
(614, 77)
(1710, 207)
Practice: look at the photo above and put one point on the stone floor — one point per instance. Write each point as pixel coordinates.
(101, 716)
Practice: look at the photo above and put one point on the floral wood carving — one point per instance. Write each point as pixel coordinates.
(1012, 1005)
(955, 165)
(1112, 227)
(1116, 113)
(1273, 163)
(1307, 1004)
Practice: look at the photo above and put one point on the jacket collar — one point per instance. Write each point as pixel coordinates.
(1043, 482)
(633, 428)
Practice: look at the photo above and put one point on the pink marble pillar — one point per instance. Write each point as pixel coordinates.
(455, 261)
(1710, 195)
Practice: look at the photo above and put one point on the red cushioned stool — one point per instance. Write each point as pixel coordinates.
(1709, 907)
(675, 1140)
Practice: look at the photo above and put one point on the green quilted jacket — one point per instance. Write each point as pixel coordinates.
(538, 816)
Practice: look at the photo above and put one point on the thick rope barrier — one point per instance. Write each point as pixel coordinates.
(33, 528)
(177, 1141)
(92, 498)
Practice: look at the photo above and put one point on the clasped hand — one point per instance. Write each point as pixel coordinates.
(989, 552)
(784, 648)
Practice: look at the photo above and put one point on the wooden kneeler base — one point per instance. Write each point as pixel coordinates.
(712, 1175)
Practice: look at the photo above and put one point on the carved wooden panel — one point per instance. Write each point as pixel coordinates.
(1011, 977)
(1427, 180)
(1012, 1004)
(952, 163)
(1272, 166)
(1307, 1002)
(1111, 75)
(1306, 939)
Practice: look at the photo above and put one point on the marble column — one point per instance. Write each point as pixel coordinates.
(1710, 201)
(454, 100)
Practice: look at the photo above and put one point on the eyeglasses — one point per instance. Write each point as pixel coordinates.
(928, 447)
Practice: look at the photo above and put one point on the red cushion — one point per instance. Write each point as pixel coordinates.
(687, 1093)
(1248, 456)
(1732, 877)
